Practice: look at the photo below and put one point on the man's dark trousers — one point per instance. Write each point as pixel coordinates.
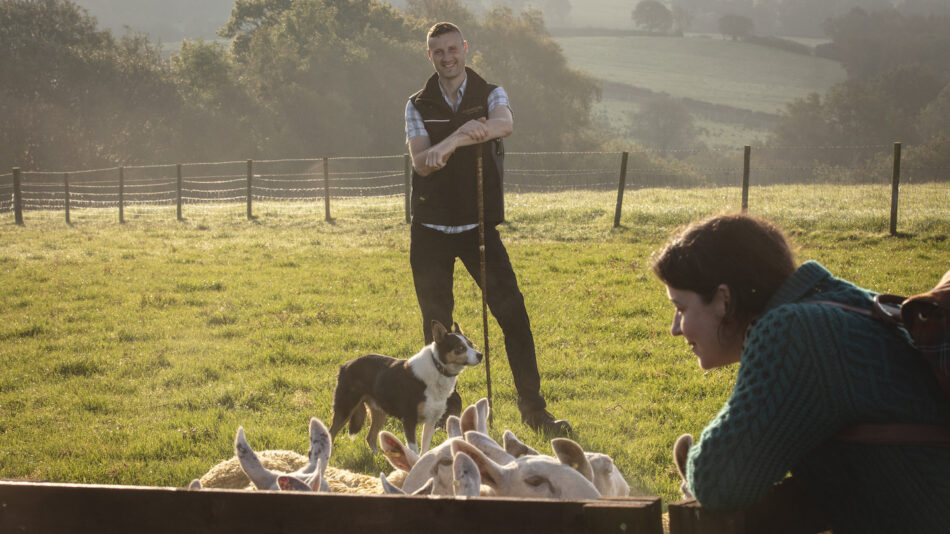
(432, 256)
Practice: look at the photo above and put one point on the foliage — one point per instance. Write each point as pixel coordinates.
(869, 44)
(301, 78)
(79, 97)
(652, 15)
(664, 122)
(736, 26)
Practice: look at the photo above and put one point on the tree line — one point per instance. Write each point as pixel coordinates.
(305, 78)
(300, 78)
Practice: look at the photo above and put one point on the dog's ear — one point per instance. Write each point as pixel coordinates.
(438, 331)
(457, 329)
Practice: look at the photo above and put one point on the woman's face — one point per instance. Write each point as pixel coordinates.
(699, 322)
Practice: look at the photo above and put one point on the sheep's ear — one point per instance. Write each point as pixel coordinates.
(680, 455)
(426, 488)
(261, 477)
(388, 487)
(681, 452)
(289, 483)
(490, 447)
(466, 480)
(515, 447)
(320, 443)
(438, 331)
(453, 426)
(398, 455)
(469, 419)
(571, 454)
(482, 407)
(491, 474)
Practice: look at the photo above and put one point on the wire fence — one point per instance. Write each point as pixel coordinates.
(317, 181)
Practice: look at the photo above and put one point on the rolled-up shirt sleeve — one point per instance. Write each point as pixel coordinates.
(414, 125)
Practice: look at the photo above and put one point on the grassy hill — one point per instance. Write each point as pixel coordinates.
(703, 68)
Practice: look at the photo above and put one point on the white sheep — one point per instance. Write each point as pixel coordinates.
(606, 477)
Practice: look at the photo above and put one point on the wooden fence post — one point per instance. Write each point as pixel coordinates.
(17, 197)
(66, 194)
(326, 187)
(620, 188)
(407, 171)
(250, 178)
(178, 191)
(745, 178)
(121, 195)
(895, 187)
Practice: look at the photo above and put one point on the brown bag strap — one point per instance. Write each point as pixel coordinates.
(896, 434)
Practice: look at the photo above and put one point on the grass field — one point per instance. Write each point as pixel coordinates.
(708, 68)
(705, 68)
(131, 353)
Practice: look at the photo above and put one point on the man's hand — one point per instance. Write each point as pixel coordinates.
(437, 156)
(475, 129)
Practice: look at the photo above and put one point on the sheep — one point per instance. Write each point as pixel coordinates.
(606, 477)
(569, 476)
(267, 466)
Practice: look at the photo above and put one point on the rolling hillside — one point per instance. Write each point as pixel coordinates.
(729, 85)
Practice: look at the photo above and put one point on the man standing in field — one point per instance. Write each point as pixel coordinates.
(445, 121)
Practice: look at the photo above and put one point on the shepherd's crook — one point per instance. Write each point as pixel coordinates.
(484, 284)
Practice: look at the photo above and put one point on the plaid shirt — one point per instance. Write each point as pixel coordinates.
(415, 128)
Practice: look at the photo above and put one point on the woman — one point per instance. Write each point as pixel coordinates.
(807, 370)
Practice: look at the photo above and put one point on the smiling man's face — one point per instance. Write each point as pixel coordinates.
(447, 53)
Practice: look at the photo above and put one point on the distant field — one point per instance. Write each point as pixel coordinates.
(711, 69)
(132, 352)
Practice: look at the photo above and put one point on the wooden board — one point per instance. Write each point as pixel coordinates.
(60, 508)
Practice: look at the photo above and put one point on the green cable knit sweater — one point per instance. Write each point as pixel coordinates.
(807, 371)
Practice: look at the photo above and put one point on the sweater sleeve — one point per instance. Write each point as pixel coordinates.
(783, 406)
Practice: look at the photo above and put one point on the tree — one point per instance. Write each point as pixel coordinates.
(736, 26)
(79, 97)
(653, 16)
(664, 123)
(682, 19)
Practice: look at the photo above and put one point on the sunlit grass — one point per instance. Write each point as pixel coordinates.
(132, 352)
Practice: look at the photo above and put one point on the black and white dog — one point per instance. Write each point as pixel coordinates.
(414, 390)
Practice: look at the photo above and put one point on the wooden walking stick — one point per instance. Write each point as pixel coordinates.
(484, 284)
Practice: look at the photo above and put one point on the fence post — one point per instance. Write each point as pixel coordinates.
(17, 197)
(895, 187)
(620, 188)
(407, 171)
(326, 187)
(121, 195)
(178, 191)
(250, 177)
(66, 193)
(745, 178)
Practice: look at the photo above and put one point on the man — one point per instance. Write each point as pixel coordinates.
(445, 122)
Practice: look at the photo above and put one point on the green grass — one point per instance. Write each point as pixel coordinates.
(705, 68)
(131, 353)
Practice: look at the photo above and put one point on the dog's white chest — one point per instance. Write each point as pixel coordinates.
(437, 390)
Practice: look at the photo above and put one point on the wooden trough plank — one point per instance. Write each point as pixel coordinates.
(786, 508)
(60, 508)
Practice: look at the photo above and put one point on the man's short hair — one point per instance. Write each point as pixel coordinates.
(440, 28)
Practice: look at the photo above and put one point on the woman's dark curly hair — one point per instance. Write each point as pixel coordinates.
(750, 256)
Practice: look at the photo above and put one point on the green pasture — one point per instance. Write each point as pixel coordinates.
(132, 352)
(705, 67)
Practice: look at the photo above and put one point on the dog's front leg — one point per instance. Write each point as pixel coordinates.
(410, 429)
(427, 430)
